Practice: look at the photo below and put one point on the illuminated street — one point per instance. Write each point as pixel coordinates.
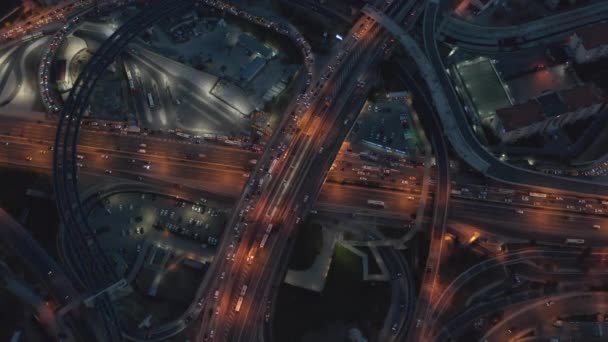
(384, 170)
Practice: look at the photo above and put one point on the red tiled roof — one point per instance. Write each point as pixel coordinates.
(593, 36)
(579, 97)
(520, 115)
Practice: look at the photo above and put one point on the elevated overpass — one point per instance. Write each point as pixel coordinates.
(454, 120)
(492, 39)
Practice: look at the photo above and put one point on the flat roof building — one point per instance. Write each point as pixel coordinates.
(254, 46)
(251, 69)
(549, 111)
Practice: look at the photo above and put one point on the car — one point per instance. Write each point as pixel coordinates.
(596, 226)
(28, 158)
(146, 166)
(549, 303)
(519, 211)
(105, 156)
(394, 327)
(108, 171)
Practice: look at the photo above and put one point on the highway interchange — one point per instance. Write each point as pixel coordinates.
(272, 192)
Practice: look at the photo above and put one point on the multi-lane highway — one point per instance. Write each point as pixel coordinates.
(463, 139)
(222, 170)
(278, 186)
(279, 189)
(541, 32)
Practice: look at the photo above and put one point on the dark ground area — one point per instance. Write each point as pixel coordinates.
(346, 302)
(308, 244)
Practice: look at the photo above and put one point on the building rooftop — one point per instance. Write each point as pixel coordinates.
(520, 115)
(253, 45)
(552, 104)
(582, 96)
(249, 70)
(593, 36)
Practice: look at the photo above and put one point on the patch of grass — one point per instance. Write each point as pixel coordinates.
(391, 232)
(346, 299)
(175, 293)
(308, 244)
(372, 264)
(14, 184)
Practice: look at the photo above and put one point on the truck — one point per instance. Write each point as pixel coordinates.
(375, 204)
(251, 255)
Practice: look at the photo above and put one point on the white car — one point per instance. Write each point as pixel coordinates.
(147, 166)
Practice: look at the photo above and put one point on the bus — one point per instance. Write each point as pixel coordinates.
(264, 239)
(375, 204)
(570, 241)
(272, 165)
(150, 100)
(371, 168)
(538, 195)
(130, 79)
(237, 308)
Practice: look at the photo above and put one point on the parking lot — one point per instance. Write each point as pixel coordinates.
(162, 246)
(386, 124)
(124, 222)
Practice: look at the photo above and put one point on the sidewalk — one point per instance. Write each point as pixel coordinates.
(313, 279)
